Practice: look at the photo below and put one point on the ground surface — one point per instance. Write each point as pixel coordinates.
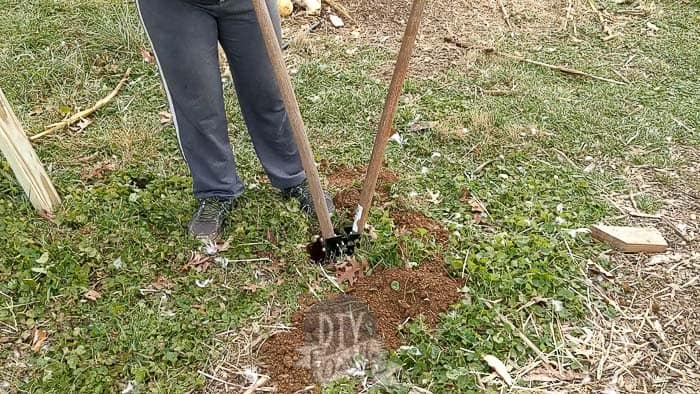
(500, 161)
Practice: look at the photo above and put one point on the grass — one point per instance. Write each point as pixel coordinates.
(122, 231)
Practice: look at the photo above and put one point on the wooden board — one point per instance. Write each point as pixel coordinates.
(18, 151)
(631, 239)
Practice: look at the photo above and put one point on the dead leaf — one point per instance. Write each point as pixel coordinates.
(161, 283)
(92, 295)
(5, 340)
(38, 339)
(422, 126)
(545, 374)
(98, 171)
(253, 287)
(47, 215)
(165, 117)
(36, 111)
(148, 56)
(198, 262)
(500, 368)
(478, 210)
(223, 246)
(280, 281)
(81, 125)
(271, 238)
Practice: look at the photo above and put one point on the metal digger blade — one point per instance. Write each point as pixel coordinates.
(329, 250)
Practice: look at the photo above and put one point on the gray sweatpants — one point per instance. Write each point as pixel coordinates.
(184, 35)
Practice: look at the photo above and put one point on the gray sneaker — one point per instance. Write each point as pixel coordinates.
(208, 221)
(302, 193)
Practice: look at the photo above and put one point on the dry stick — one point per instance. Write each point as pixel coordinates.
(606, 28)
(535, 62)
(57, 126)
(561, 68)
(505, 14)
(676, 229)
(339, 9)
(257, 385)
(520, 334)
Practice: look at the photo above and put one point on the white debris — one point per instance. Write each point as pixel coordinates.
(499, 368)
(397, 138)
(204, 283)
(412, 350)
(336, 21)
(575, 232)
(129, 388)
(118, 263)
(251, 374)
(557, 305)
(424, 170)
(223, 261)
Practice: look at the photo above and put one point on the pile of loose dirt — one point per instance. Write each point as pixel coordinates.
(392, 296)
(410, 221)
(426, 291)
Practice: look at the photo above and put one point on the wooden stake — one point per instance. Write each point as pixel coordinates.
(24, 162)
(76, 117)
(384, 131)
(274, 52)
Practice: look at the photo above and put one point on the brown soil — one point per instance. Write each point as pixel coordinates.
(426, 291)
(472, 22)
(349, 181)
(410, 221)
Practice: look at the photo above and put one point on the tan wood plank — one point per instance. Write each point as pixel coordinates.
(25, 163)
(631, 239)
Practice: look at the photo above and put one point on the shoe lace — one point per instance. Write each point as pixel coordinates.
(210, 209)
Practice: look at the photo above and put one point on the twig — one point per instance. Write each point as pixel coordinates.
(561, 68)
(505, 14)
(519, 333)
(569, 11)
(333, 281)
(257, 385)
(212, 377)
(676, 229)
(683, 125)
(76, 117)
(563, 155)
(339, 9)
(606, 29)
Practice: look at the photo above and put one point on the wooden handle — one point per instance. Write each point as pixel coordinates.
(18, 151)
(384, 131)
(274, 51)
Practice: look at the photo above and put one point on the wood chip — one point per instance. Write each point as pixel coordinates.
(631, 239)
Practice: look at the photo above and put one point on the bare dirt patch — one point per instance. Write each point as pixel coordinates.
(392, 296)
(472, 22)
(412, 221)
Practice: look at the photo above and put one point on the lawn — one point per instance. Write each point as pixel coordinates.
(107, 280)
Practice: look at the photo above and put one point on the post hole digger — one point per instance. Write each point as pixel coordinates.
(338, 246)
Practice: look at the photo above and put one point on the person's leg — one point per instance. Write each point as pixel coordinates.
(184, 37)
(258, 94)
